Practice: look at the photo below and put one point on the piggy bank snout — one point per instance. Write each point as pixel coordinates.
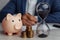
(17, 26)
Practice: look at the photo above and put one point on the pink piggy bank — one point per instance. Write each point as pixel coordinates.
(12, 24)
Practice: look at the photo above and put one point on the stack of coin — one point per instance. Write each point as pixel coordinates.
(28, 28)
(30, 34)
(23, 34)
(29, 31)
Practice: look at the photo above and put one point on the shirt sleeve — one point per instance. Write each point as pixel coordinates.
(54, 16)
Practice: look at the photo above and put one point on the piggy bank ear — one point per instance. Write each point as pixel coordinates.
(8, 16)
(19, 15)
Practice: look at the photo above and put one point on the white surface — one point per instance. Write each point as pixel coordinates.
(54, 35)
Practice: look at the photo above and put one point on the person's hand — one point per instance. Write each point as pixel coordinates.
(28, 19)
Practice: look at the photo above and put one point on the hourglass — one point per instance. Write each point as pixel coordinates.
(42, 10)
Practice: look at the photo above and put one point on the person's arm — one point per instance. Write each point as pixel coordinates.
(54, 16)
(9, 8)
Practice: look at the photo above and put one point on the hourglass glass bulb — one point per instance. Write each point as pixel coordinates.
(45, 6)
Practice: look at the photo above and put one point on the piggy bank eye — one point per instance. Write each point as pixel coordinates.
(12, 20)
(19, 19)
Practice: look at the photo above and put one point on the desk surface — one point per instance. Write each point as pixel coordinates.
(54, 35)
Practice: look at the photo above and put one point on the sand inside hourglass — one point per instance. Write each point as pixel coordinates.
(43, 14)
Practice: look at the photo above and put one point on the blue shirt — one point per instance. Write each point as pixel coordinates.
(15, 6)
